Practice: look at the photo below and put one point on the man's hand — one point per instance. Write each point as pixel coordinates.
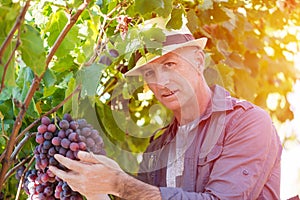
(97, 175)
(92, 176)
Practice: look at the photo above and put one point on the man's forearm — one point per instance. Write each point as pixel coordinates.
(132, 188)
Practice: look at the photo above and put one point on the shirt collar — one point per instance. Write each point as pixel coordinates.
(220, 101)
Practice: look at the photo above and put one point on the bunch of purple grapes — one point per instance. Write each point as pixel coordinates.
(65, 137)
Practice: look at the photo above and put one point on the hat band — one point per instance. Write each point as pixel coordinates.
(178, 39)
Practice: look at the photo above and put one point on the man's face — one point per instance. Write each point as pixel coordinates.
(174, 77)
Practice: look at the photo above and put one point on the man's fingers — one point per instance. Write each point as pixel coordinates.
(60, 173)
(97, 159)
(69, 163)
(87, 157)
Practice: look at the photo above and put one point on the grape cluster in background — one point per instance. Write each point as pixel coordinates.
(65, 137)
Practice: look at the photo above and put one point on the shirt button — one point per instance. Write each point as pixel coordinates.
(245, 172)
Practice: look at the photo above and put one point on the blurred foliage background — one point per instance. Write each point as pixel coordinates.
(251, 51)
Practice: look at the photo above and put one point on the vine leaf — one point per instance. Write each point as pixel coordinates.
(146, 6)
(176, 19)
(89, 78)
(33, 52)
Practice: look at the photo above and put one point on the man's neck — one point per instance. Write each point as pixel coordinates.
(195, 109)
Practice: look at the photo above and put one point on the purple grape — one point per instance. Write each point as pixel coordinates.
(52, 151)
(39, 138)
(74, 146)
(82, 146)
(42, 196)
(67, 117)
(51, 128)
(86, 131)
(82, 138)
(44, 178)
(114, 53)
(44, 163)
(74, 125)
(64, 124)
(73, 137)
(43, 156)
(42, 128)
(65, 143)
(70, 154)
(94, 134)
(39, 188)
(82, 123)
(45, 120)
(68, 132)
(105, 60)
(48, 135)
(61, 134)
(53, 161)
(48, 191)
(56, 141)
(47, 144)
(62, 151)
(90, 142)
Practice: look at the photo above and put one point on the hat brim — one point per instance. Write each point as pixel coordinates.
(148, 58)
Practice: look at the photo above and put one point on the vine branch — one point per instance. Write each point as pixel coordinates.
(101, 33)
(7, 64)
(13, 30)
(64, 32)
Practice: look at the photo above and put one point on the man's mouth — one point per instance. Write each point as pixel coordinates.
(170, 93)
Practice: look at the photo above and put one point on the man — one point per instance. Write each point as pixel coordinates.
(217, 147)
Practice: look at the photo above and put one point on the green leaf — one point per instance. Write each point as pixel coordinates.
(32, 111)
(32, 49)
(55, 26)
(146, 6)
(107, 121)
(89, 78)
(2, 143)
(246, 88)
(49, 78)
(176, 19)
(99, 3)
(5, 94)
(68, 105)
(166, 10)
(65, 64)
(48, 91)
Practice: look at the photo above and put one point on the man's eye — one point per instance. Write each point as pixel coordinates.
(169, 64)
(149, 73)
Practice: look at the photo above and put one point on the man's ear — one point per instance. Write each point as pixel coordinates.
(199, 58)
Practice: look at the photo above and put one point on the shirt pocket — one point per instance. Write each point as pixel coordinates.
(205, 166)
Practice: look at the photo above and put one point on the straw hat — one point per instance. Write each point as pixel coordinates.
(175, 39)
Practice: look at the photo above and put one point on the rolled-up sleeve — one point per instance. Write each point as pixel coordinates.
(250, 152)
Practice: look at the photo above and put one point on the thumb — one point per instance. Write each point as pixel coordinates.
(87, 157)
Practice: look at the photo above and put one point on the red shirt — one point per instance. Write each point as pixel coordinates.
(243, 164)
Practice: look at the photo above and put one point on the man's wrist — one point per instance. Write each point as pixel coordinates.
(129, 187)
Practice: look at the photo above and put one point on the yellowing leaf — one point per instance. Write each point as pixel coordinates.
(32, 49)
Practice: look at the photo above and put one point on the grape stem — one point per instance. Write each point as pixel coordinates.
(101, 36)
(7, 161)
(22, 178)
(12, 170)
(21, 144)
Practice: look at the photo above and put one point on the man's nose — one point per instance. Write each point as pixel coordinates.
(162, 78)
